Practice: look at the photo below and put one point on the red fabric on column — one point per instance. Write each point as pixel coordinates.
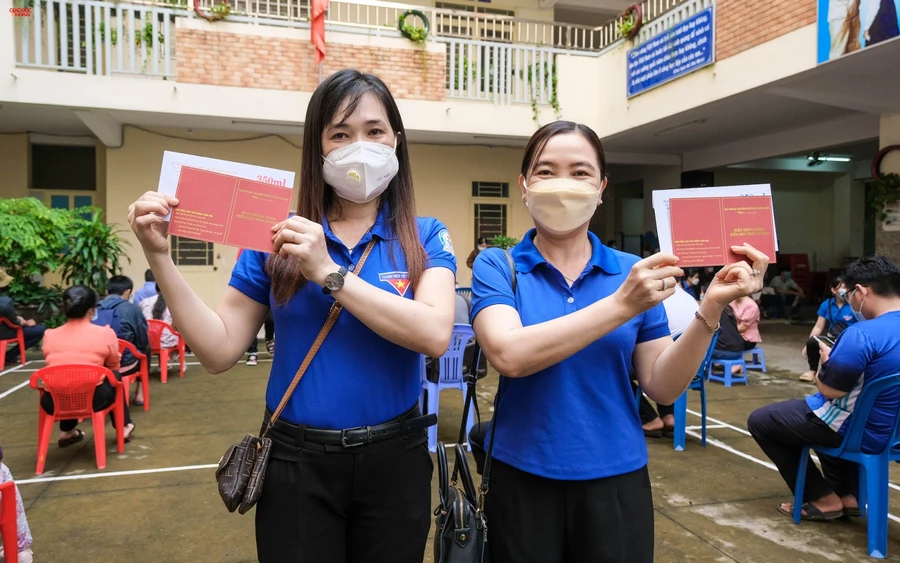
(317, 27)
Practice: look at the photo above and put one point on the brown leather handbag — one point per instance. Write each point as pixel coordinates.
(242, 469)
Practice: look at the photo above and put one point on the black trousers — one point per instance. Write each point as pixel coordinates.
(533, 519)
(813, 353)
(269, 325)
(782, 429)
(104, 396)
(32, 335)
(646, 410)
(330, 504)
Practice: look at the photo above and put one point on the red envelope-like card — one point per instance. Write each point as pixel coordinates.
(225, 209)
(705, 229)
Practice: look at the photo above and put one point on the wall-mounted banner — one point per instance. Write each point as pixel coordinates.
(845, 26)
(678, 51)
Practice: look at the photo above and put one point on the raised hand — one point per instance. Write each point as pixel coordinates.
(650, 282)
(146, 217)
(738, 279)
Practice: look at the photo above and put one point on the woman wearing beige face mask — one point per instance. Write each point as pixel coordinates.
(569, 479)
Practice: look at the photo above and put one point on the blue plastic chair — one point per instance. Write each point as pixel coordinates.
(727, 377)
(450, 376)
(874, 473)
(681, 404)
(757, 359)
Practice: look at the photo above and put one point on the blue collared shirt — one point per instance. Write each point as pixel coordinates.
(577, 419)
(149, 290)
(357, 378)
(829, 311)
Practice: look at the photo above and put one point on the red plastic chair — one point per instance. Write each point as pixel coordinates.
(72, 388)
(8, 527)
(20, 338)
(143, 374)
(155, 330)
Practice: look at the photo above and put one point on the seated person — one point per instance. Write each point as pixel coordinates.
(746, 313)
(147, 290)
(31, 331)
(79, 341)
(787, 291)
(730, 345)
(126, 319)
(871, 348)
(834, 315)
(155, 308)
(23, 532)
(680, 308)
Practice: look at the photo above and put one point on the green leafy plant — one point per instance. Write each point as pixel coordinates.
(32, 240)
(883, 192)
(549, 76)
(504, 242)
(413, 33)
(95, 250)
(630, 22)
(626, 26)
(220, 11)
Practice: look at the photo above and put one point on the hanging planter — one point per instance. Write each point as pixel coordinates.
(410, 31)
(631, 22)
(216, 13)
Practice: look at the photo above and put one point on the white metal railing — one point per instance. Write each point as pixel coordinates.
(671, 18)
(504, 74)
(97, 37)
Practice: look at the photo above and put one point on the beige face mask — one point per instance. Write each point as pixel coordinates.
(561, 205)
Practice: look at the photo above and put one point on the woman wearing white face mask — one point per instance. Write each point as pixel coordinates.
(834, 315)
(569, 480)
(349, 478)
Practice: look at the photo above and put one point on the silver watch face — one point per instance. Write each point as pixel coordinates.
(334, 281)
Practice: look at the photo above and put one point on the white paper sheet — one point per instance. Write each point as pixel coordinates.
(661, 206)
(173, 161)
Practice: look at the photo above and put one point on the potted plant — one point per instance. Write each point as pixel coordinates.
(504, 242)
(885, 189)
(631, 21)
(95, 250)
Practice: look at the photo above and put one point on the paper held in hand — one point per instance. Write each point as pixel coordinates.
(225, 202)
(700, 225)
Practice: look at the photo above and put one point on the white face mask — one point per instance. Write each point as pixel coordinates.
(561, 205)
(361, 171)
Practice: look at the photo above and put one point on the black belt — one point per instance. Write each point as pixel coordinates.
(361, 435)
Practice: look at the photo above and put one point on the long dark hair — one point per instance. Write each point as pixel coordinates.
(160, 306)
(78, 300)
(316, 198)
(540, 138)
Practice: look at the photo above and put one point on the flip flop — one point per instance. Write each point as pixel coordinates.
(653, 433)
(130, 434)
(853, 512)
(812, 513)
(668, 432)
(66, 442)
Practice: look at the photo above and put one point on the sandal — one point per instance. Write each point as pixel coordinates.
(668, 432)
(270, 347)
(251, 361)
(812, 513)
(66, 442)
(653, 433)
(853, 512)
(130, 435)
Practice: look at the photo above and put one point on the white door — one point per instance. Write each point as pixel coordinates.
(206, 266)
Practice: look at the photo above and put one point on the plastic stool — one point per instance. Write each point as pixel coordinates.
(757, 359)
(727, 378)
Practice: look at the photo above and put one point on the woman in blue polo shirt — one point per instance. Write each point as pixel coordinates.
(349, 478)
(569, 480)
(834, 315)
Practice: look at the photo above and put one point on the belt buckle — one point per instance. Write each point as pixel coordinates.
(368, 430)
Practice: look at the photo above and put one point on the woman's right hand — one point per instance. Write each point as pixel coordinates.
(643, 289)
(146, 217)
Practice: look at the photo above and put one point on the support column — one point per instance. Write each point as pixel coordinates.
(888, 243)
(842, 223)
(658, 178)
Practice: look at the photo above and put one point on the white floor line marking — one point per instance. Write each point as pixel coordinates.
(723, 423)
(17, 368)
(16, 388)
(114, 474)
(708, 426)
(749, 457)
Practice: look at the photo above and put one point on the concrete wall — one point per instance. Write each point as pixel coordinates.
(14, 165)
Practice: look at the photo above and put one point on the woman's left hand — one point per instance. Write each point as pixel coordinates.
(305, 241)
(738, 279)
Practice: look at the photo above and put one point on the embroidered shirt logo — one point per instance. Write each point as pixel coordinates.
(398, 280)
(444, 237)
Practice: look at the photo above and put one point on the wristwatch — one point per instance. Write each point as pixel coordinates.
(335, 280)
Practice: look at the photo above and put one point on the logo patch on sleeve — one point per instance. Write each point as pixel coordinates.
(444, 237)
(398, 280)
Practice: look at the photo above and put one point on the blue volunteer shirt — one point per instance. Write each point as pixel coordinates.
(830, 311)
(577, 419)
(357, 378)
(865, 352)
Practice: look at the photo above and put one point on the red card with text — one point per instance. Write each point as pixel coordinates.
(228, 210)
(705, 229)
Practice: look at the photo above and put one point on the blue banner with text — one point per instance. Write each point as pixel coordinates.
(678, 51)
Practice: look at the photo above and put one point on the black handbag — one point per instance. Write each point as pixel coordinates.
(461, 534)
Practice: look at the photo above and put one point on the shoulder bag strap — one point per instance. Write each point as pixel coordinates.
(486, 476)
(329, 323)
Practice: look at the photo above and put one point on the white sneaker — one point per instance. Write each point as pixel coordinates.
(251, 360)
(26, 556)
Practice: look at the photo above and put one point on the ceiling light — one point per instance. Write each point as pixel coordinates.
(277, 123)
(829, 158)
(679, 127)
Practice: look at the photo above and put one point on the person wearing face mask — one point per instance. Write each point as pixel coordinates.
(864, 353)
(482, 245)
(691, 283)
(569, 479)
(349, 478)
(834, 315)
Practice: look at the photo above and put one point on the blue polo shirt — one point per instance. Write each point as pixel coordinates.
(357, 378)
(865, 352)
(830, 311)
(578, 419)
